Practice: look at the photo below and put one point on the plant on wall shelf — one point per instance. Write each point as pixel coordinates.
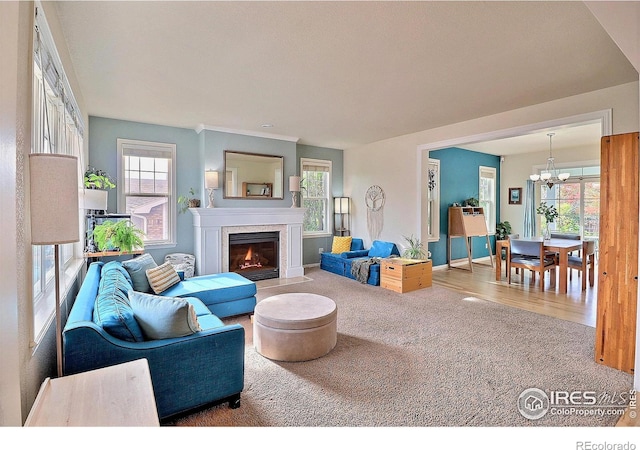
(185, 202)
(472, 201)
(121, 235)
(97, 179)
(414, 249)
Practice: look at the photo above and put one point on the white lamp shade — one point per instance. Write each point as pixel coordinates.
(534, 177)
(211, 179)
(545, 175)
(95, 199)
(341, 205)
(54, 199)
(294, 183)
(564, 176)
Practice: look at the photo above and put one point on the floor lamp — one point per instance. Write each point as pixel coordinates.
(54, 214)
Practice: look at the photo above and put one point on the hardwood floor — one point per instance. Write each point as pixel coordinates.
(576, 306)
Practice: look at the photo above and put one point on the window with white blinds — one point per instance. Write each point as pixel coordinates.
(316, 194)
(146, 188)
(487, 196)
(57, 127)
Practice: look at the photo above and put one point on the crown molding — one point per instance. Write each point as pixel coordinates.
(260, 134)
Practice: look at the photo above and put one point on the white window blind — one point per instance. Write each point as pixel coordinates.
(146, 188)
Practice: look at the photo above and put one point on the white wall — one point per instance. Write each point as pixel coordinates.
(394, 164)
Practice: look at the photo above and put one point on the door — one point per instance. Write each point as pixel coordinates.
(618, 263)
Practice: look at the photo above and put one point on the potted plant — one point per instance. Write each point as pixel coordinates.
(414, 249)
(121, 235)
(185, 202)
(472, 201)
(550, 214)
(97, 179)
(503, 229)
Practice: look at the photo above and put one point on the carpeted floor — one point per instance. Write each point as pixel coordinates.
(424, 358)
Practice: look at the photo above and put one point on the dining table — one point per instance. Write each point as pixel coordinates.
(563, 247)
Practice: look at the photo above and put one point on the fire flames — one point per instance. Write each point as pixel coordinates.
(251, 260)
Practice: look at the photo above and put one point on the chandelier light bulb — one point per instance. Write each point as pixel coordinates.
(534, 177)
(545, 176)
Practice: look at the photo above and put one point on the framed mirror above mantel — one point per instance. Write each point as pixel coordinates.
(253, 176)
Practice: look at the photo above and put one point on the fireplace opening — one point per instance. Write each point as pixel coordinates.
(255, 255)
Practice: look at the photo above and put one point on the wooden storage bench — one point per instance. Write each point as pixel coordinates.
(405, 275)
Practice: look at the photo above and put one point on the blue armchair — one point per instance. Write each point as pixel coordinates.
(340, 263)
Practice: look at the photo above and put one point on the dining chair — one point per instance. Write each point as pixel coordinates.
(530, 255)
(586, 261)
(571, 236)
(506, 255)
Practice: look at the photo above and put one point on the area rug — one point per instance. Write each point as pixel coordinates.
(428, 358)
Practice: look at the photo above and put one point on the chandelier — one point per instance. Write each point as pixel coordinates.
(550, 175)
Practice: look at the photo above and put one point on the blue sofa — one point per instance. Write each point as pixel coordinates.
(340, 263)
(187, 372)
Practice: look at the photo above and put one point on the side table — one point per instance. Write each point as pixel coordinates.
(405, 275)
(115, 396)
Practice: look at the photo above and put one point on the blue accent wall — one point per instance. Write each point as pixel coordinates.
(459, 180)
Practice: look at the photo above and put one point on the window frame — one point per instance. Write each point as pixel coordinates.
(132, 147)
(328, 227)
(492, 216)
(58, 131)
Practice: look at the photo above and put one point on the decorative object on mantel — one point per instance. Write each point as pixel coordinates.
(186, 202)
(374, 199)
(54, 214)
(550, 175)
(550, 214)
(211, 182)
(294, 188)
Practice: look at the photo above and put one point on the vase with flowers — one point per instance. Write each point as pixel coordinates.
(550, 214)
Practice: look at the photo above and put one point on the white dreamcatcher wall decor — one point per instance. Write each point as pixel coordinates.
(374, 199)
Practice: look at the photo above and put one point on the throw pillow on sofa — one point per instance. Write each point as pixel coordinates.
(137, 269)
(341, 244)
(111, 309)
(163, 317)
(162, 277)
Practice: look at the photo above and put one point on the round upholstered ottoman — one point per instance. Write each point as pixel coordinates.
(295, 327)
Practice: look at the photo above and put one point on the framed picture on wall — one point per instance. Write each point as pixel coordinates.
(515, 196)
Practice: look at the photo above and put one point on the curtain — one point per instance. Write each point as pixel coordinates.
(529, 229)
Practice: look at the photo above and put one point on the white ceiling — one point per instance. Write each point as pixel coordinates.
(333, 74)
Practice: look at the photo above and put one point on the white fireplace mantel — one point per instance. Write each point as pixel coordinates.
(213, 225)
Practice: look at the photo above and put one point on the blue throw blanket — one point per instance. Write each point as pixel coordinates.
(360, 268)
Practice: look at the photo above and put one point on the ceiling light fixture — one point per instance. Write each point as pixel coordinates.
(550, 175)
(267, 125)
